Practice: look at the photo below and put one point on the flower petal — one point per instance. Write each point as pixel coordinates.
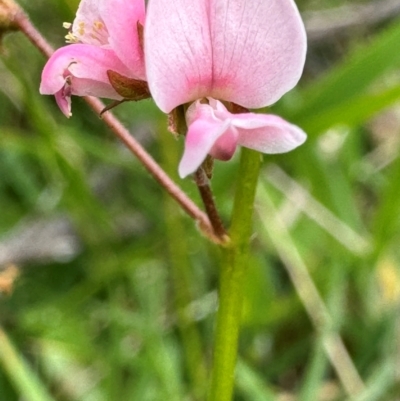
(267, 133)
(247, 52)
(178, 51)
(259, 49)
(64, 102)
(121, 18)
(88, 26)
(225, 146)
(203, 132)
(80, 70)
(90, 63)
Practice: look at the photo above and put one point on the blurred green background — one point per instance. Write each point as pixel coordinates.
(108, 291)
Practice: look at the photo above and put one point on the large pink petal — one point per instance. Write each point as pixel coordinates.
(259, 49)
(121, 18)
(267, 133)
(247, 52)
(178, 51)
(81, 61)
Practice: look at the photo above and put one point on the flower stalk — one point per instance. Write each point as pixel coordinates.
(207, 197)
(232, 274)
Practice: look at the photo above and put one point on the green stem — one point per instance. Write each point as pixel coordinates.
(233, 269)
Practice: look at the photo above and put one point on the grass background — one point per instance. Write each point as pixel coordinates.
(108, 291)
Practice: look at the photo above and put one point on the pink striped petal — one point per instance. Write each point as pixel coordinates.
(247, 52)
(259, 49)
(178, 51)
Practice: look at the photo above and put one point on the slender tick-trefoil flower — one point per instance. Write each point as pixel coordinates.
(104, 57)
(215, 53)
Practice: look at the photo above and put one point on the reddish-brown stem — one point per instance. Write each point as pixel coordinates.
(206, 194)
(25, 26)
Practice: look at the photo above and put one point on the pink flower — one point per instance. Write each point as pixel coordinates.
(106, 38)
(246, 52)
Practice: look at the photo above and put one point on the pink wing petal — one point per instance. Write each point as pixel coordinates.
(81, 61)
(203, 132)
(267, 133)
(121, 18)
(79, 70)
(259, 49)
(178, 51)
